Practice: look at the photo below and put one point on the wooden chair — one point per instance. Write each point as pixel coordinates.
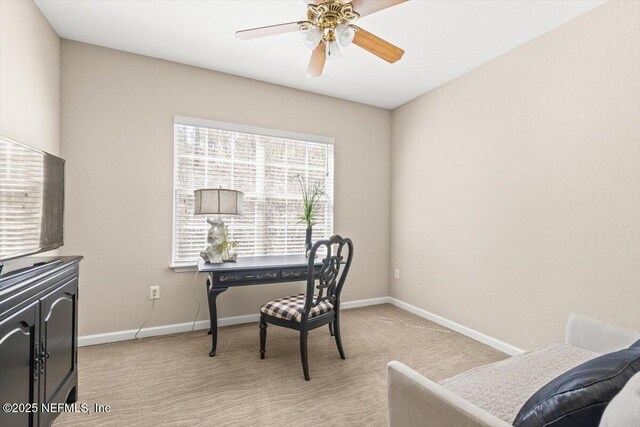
(319, 306)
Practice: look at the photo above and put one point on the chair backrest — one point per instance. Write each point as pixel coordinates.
(325, 282)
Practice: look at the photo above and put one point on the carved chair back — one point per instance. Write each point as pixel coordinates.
(324, 283)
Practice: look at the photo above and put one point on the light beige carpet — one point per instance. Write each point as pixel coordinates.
(171, 380)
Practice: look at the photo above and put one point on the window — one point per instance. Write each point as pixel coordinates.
(262, 163)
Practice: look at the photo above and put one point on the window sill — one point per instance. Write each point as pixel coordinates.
(184, 268)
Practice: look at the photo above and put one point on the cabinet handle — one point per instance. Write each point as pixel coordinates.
(44, 355)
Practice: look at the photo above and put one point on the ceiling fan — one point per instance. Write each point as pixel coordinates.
(329, 27)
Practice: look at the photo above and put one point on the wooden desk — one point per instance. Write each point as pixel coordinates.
(259, 270)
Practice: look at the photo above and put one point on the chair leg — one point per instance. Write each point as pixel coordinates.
(303, 354)
(336, 330)
(331, 328)
(263, 336)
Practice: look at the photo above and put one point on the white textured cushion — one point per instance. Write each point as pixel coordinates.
(501, 388)
(624, 409)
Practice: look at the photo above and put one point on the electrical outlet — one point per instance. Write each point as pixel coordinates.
(154, 292)
(396, 273)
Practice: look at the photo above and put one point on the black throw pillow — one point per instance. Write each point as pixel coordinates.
(578, 397)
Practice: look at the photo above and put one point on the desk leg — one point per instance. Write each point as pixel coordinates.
(208, 285)
(213, 316)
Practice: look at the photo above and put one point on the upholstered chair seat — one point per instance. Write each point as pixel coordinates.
(291, 307)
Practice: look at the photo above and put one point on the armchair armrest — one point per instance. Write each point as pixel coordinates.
(414, 400)
(598, 336)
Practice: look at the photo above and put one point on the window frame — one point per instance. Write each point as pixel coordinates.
(231, 127)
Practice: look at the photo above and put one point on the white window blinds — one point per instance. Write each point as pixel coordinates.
(21, 195)
(262, 163)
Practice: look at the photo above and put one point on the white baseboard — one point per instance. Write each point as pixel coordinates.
(249, 318)
(365, 302)
(471, 333)
(162, 330)
(199, 325)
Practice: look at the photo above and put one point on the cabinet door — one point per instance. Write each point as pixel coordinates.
(19, 373)
(58, 331)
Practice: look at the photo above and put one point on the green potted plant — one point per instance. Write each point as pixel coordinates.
(310, 197)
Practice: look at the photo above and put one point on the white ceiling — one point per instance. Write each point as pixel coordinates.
(442, 39)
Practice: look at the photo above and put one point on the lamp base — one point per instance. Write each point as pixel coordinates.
(215, 237)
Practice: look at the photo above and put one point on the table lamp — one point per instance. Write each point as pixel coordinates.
(216, 203)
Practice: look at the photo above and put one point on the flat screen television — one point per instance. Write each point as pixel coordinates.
(31, 200)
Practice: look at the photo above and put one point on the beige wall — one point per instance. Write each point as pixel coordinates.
(29, 76)
(516, 187)
(117, 137)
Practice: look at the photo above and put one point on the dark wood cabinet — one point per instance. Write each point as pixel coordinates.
(38, 341)
(19, 381)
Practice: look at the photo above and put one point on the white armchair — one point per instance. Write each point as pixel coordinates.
(414, 400)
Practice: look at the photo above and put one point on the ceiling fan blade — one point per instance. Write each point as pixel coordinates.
(367, 7)
(377, 46)
(269, 30)
(318, 58)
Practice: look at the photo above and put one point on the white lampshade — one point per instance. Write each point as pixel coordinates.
(312, 37)
(345, 35)
(216, 201)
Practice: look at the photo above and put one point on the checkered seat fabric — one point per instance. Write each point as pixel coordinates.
(290, 308)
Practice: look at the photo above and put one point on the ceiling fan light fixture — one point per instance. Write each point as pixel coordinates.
(312, 37)
(345, 34)
(328, 28)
